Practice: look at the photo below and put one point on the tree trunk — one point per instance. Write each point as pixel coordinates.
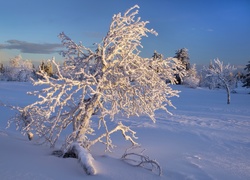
(84, 123)
(228, 94)
(227, 89)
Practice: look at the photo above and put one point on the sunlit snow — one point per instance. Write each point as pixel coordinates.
(205, 138)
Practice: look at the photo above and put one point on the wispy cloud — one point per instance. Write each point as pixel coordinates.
(35, 48)
(210, 30)
(202, 29)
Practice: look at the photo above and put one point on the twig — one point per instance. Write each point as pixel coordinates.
(138, 159)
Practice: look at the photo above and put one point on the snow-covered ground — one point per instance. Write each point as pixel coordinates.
(204, 139)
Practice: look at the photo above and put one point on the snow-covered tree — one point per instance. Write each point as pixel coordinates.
(19, 69)
(157, 55)
(183, 56)
(191, 78)
(177, 69)
(112, 80)
(219, 75)
(246, 80)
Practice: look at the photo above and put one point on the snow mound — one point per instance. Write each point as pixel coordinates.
(85, 158)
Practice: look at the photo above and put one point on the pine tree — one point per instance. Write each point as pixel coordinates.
(246, 80)
(183, 57)
(157, 57)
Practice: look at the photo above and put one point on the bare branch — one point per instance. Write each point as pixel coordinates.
(138, 159)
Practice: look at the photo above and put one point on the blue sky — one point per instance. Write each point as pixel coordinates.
(208, 29)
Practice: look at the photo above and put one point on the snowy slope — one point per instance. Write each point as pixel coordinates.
(204, 139)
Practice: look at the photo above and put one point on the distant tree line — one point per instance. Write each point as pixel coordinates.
(214, 76)
(23, 70)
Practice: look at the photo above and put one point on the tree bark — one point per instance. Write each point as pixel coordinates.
(228, 94)
(89, 110)
(227, 89)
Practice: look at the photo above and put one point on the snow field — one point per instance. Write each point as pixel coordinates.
(204, 139)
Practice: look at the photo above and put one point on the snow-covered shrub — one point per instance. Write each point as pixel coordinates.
(47, 67)
(191, 79)
(113, 79)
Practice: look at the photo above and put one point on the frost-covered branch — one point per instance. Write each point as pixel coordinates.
(139, 159)
(108, 142)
